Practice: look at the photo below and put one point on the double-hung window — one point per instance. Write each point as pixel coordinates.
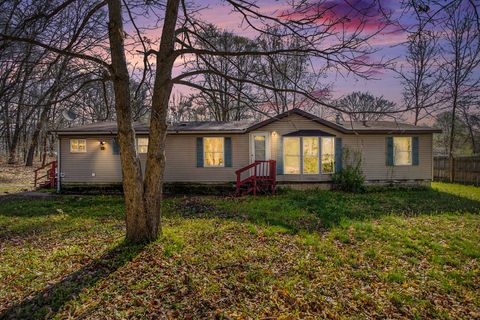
(142, 145)
(78, 145)
(213, 152)
(402, 151)
(308, 155)
(328, 155)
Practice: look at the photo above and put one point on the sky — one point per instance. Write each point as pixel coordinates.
(389, 44)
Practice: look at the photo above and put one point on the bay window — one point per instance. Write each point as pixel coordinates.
(213, 152)
(305, 155)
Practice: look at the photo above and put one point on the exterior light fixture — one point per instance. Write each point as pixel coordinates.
(102, 145)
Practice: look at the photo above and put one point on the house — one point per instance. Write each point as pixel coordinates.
(307, 150)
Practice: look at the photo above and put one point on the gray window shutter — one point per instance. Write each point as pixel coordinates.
(280, 155)
(389, 151)
(228, 151)
(338, 155)
(415, 156)
(200, 152)
(115, 147)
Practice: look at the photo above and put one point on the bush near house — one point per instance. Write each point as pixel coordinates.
(394, 253)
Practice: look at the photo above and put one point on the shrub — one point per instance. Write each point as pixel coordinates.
(350, 178)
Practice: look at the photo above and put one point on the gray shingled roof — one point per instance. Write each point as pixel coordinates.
(248, 125)
(383, 126)
(140, 127)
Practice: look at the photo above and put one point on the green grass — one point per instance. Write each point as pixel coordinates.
(386, 253)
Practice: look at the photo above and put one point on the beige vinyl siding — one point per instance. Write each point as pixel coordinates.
(372, 147)
(77, 167)
(181, 156)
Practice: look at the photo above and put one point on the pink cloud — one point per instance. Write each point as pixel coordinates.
(349, 15)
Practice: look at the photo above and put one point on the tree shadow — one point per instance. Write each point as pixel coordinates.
(317, 210)
(50, 300)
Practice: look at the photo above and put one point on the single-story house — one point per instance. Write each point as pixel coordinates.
(307, 150)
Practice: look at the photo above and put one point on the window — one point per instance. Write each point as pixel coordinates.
(328, 155)
(310, 155)
(291, 153)
(142, 145)
(213, 152)
(78, 145)
(402, 151)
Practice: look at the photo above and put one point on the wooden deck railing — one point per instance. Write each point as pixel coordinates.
(48, 179)
(258, 175)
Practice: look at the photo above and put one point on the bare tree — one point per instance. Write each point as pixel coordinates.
(320, 38)
(363, 106)
(224, 99)
(461, 61)
(421, 77)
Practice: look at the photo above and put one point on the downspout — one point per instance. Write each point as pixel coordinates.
(58, 164)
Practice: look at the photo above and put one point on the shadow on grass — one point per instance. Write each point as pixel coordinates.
(40, 216)
(316, 210)
(50, 300)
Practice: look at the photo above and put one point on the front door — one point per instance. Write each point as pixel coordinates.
(259, 146)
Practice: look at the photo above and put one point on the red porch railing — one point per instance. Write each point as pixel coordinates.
(258, 176)
(48, 179)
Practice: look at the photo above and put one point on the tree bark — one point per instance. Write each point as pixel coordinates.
(136, 222)
(162, 89)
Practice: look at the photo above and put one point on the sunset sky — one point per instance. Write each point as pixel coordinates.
(389, 43)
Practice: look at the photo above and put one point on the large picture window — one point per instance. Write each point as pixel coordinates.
(291, 153)
(310, 155)
(142, 145)
(328, 155)
(402, 151)
(78, 145)
(213, 152)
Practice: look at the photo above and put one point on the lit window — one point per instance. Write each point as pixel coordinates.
(78, 145)
(291, 153)
(328, 155)
(213, 152)
(310, 155)
(142, 145)
(402, 151)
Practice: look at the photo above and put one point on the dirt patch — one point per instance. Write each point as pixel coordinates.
(198, 207)
(16, 178)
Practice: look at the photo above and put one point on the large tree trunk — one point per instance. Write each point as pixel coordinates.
(162, 89)
(136, 222)
(142, 198)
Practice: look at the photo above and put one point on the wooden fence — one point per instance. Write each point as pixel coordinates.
(466, 169)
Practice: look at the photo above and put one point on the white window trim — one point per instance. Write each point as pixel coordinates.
(78, 151)
(321, 155)
(299, 156)
(136, 144)
(411, 153)
(203, 153)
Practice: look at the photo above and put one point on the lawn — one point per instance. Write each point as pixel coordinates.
(397, 253)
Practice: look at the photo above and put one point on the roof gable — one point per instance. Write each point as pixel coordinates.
(301, 113)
